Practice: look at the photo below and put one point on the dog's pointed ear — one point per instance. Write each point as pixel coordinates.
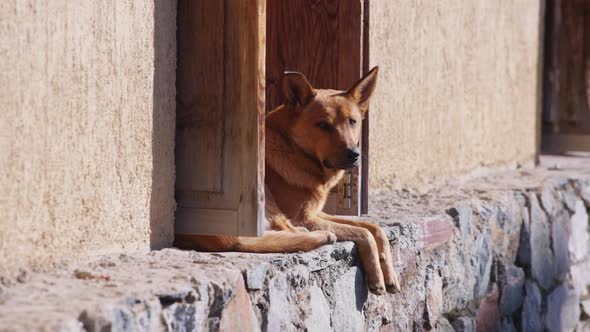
(363, 89)
(296, 89)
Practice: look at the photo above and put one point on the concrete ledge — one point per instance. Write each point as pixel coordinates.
(509, 250)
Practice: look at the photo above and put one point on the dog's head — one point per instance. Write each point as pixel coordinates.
(327, 123)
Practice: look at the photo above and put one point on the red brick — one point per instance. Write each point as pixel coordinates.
(436, 232)
(238, 315)
(488, 314)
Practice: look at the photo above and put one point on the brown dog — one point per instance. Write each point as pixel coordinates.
(310, 141)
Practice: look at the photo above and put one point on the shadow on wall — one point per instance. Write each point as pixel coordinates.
(162, 202)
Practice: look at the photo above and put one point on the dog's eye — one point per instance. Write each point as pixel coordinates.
(323, 125)
(352, 122)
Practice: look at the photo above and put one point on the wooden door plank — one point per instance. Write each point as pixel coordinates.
(563, 143)
(301, 36)
(349, 44)
(349, 71)
(228, 198)
(207, 221)
(199, 108)
(245, 48)
(365, 133)
(567, 63)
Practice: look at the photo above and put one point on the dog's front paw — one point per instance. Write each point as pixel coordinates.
(331, 238)
(393, 285)
(377, 289)
(393, 288)
(323, 237)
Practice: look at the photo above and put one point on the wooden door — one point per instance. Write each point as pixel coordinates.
(220, 117)
(566, 94)
(321, 39)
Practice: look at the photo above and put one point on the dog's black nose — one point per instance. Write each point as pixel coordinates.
(352, 154)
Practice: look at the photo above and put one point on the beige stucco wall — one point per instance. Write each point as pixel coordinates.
(457, 88)
(87, 128)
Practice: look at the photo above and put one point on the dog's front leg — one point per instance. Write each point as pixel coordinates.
(385, 256)
(367, 247)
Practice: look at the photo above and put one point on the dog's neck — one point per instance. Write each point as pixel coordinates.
(288, 160)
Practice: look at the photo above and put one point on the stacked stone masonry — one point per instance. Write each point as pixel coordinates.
(508, 251)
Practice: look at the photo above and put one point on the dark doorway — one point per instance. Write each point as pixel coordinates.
(566, 77)
(323, 40)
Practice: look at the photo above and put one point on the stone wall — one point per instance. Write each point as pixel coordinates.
(87, 129)
(506, 251)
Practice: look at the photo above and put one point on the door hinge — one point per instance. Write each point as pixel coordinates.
(347, 190)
